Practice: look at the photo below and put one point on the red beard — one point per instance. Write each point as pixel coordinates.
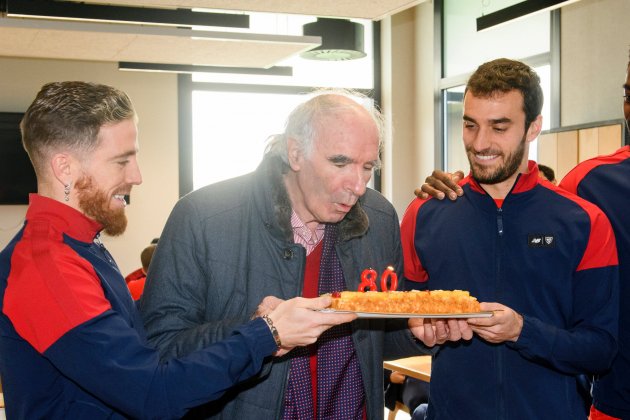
(96, 204)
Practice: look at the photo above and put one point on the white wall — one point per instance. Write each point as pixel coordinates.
(155, 99)
(594, 56)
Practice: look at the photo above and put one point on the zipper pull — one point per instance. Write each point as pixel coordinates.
(500, 221)
(97, 241)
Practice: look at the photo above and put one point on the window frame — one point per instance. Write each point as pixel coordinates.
(186, 86)
(442, 84)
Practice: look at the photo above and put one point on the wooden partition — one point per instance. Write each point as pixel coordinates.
(563, 148)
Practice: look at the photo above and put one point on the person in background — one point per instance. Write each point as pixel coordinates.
(303, 223)
(545, 172)
(72, 344)
(411, 392)
(603, 181)
(141, 273)
(136, 285)
(542, 260)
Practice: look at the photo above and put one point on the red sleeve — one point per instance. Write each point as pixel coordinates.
(571, 180)
(135, 275)
(136, 287)
(601, 250)
(413, 269)
(50, 289)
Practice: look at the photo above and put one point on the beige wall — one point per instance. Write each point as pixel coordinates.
(155, 99)
(594, 54)
(408, 89)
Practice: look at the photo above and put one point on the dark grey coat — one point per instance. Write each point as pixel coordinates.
(227, 246)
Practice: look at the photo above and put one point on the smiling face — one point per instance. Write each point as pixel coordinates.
(108, 173)
(325, 182)
(495, 139)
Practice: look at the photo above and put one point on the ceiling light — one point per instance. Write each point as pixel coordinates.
(186, 68)
(518, 10)
(65, 10)
(341, 40)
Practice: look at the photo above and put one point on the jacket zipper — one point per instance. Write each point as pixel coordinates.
(105, 252)
(500, 221)
(501, 414)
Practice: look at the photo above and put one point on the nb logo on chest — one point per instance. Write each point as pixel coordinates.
(540, 241)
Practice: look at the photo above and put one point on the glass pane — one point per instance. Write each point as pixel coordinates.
(357, 74)
(454, 153)
(230, 130)
(544, 72)
(465, 48)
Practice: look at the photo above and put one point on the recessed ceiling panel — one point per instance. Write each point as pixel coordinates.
(364, 9)
(115, 42)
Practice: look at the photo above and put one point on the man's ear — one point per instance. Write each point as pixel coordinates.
(534, 129)
(294, 154)
(62, 166)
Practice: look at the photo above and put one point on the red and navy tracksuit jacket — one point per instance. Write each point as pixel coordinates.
(72, 344)
(545, 253)
(605, 181)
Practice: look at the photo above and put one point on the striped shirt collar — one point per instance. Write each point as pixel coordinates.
(303, 235)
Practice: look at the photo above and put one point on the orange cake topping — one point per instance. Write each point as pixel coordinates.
(412, 302)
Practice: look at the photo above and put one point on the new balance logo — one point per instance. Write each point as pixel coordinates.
(540, 241)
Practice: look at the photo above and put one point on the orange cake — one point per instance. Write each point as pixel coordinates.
(412, 302)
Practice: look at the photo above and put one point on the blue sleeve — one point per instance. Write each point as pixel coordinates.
(589, 343)
(107, 357)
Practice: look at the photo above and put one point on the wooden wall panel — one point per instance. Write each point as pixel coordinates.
(566, 147)
(610, 139)
(588, 143)
(548, 150)
(567, 152)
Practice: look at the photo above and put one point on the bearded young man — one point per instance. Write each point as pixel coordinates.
(543, 260)
(72, 344)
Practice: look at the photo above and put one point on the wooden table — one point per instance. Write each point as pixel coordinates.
(418, 367)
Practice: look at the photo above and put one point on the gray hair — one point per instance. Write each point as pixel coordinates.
(302, 123)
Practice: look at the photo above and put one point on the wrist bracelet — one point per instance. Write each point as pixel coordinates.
(274, 331)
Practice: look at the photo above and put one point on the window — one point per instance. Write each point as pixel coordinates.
(464, 49)
(225, 119)
(230, 129)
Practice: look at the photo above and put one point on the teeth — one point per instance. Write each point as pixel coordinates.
(121, 197)
(486, 157)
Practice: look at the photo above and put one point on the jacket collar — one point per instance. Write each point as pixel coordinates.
(63, 218)
(273, 199)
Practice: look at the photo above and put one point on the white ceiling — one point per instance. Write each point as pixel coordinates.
(84, 40)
